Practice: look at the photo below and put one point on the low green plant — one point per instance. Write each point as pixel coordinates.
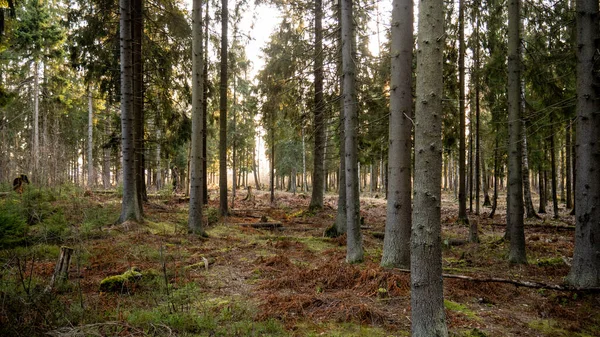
(212, 216)
(458, 307)
(13, 226)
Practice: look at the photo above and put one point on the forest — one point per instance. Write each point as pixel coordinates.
(378, 168)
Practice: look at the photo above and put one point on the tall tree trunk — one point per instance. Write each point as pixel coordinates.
(234, 180)
(530, 211)
(427, 300)
(195, 225)
(462, 177)
(553, 172)
(568, 165)
(316, 201)
(396, 243)
(354, 251)
(471, 131)
(223, 112)
(477, 152)
(91, 177)
(138, 99)
(36, 120)
(515, 226)
(130, 209)
(341, 216)
(585, 271)
(205, 109)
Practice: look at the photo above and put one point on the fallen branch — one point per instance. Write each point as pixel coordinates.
(526, 284)
(565, 228)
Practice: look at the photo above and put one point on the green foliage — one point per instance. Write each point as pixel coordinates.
(13, 225)
(212, 215)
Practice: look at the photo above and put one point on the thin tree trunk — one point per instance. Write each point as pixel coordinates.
(462, 192)
(354, 251)
(530, 211)
(542, 191)
(495, 198)
(396, 243)
(471, 131)
(272, 173)
(90, 144)
(234, 180)
(316, 201)
(205, 108)
(106, 162)
(36, 120)
(568, 166)
(159, 177)
(486, 186)
(255, 169)
(223, 112)
(341, 216)
(427, 302)
(553, 172)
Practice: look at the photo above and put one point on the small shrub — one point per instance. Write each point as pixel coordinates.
(13, 230)
(212, 216)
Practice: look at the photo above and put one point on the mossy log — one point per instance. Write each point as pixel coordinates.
(121, 283)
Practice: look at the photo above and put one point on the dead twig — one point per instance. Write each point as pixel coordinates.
(526, 284)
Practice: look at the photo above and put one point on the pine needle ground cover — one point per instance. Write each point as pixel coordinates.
(153, 279)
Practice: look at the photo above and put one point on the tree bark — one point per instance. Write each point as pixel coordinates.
(91, 177)
(542, 190)
(36, 120)
(354, 251)
(130, 206)
(568, 166)
(427, 301)
(462, 177)
(341, 218)
(396, 243)
(197, 173)
(223, 112)
(585, 270)
(495, 197)
(514, 216)
(316, 201)
(138, 100)
(530, 211)
(205, 109)
(553, 172)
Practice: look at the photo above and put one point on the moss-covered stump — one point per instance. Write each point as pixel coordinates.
(121, 283)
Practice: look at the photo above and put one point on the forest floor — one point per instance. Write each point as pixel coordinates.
(280, 281)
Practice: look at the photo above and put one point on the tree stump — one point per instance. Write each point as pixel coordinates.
(474, 231)
(61, 271)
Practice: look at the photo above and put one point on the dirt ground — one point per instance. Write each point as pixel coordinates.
(293, 275)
